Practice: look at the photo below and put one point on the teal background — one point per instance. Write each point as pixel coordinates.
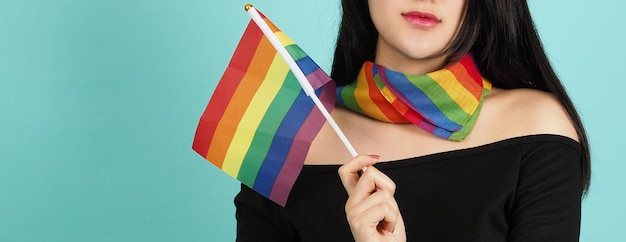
(99, 102)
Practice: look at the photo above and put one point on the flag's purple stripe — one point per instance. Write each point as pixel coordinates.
(423, 104)
(282, 143)
(424, 124)
(302, 142)
(318, 78)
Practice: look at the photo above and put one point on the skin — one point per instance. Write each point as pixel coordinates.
(411, 48)
(371, 209)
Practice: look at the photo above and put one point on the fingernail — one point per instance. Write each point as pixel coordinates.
(375, 156)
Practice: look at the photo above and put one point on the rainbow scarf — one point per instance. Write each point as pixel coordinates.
(259, 123)
(445, 103)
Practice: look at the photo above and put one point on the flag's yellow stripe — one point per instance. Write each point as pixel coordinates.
(455, 90)
(388, 94)
(284, 39)
(363, 99)
(224, 131)
(486, 85)
(254, 114)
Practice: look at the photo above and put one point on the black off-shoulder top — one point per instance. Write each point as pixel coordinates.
(520, 189)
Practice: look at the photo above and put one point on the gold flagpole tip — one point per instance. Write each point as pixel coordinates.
(247, 7)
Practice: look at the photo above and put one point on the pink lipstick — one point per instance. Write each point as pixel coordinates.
(421, 19)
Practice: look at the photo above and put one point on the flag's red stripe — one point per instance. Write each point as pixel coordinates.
(476, 87)
(241, 59)
(470, 66)
(241, 98)
(385, 107)
(409, 114)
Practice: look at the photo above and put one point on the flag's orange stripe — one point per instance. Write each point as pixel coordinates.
(241, 59)
(409, 114)
(261, 62)
(271, 25)
(391, 111)
(473, 88)
(400, 106)
(365, 89)
(468, 72)
(255, 112)
(268, 22)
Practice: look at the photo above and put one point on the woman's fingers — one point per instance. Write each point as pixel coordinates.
(372, 180)
(377, 211)
(349, 172)
(371, 209)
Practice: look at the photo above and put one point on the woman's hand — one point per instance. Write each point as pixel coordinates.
(371, 209)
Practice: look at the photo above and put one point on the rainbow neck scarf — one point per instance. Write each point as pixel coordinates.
(445, 103)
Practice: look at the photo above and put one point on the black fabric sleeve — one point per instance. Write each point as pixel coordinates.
(548, 195)
(259, 219)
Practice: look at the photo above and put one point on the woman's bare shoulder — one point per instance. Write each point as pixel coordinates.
(327, 147)
(529, 111)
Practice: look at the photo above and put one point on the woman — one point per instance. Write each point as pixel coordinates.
(508, 163)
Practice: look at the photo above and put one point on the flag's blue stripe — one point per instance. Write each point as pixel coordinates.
(442, 133)
(283, 139)
(339, 98)
(307, 65)
(420, 101)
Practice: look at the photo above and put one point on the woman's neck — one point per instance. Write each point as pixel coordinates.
(399, 62)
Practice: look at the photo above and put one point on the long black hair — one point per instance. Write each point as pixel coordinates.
(501, 36)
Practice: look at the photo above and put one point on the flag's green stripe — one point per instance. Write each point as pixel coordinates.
(379, 82)
(348, 98)
(295, 52)
(461, 134)
(440, 98)
(267, 128)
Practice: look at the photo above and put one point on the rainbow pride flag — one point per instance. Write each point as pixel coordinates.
(259, 123)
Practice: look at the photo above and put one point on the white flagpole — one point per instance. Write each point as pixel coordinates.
(308, 89)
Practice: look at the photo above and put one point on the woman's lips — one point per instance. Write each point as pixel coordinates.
(421, 19)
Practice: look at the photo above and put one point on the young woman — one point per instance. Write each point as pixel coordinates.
(470, 134)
